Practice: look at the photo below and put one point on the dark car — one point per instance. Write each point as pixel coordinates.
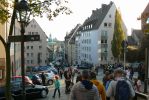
(32, 91)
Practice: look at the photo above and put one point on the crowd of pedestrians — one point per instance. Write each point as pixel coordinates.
(117, 85)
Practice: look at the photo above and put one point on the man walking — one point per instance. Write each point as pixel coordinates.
(43, 77)
(120, 88)
(84, 90)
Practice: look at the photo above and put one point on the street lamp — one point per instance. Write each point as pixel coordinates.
(124, 46)
(23, 14)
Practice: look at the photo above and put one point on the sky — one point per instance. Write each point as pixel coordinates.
(82, 9)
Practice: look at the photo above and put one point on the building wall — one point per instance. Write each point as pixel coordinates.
(35, 51)
(2, 55)
(92, 51)
(109, 30)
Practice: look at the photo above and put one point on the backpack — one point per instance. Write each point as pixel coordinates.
(122, 90)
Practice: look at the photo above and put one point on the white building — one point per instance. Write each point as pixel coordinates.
(96, 34)
(36, 51)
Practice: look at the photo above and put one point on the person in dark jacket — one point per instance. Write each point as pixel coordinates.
(43, 77)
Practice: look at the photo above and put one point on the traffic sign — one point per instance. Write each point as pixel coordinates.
(19, 38)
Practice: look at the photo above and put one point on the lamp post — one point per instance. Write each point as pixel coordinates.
(124, 45)
(23, 14)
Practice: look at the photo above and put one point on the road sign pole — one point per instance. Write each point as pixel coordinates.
(22, 61)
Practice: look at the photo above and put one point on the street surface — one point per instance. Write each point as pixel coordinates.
(63, 95)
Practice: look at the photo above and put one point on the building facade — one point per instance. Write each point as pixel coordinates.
(95, 36)
(71, 46)
(36, 51)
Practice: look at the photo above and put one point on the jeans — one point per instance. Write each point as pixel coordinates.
(55, 92)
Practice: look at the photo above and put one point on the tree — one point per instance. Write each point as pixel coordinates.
(52, 8)
(118, 36)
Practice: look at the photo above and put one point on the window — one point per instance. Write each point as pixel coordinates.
(91, 25)
(110, 24)
(27, 54)
(31, 47)
(32, 54)
(27, 47)
(32, 61)
(29, 33)
(27, 61)
(105, 24)
(40, 47)
(110, 16)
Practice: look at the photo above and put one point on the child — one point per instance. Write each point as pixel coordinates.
(57, 86)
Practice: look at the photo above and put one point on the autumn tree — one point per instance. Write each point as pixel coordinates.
(50, 8)
(118, 36)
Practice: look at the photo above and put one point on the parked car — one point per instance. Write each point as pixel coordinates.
(19, 79)
(36, 79)
(50, 76)
(32, 91)
(53, 69)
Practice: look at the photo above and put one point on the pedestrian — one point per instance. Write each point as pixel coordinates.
(110, 78)
(105, 78)
(137, 84)
(67, 76)
(61, 73)
(43, 78)
(84, 90)
(120, 89)
(79, 77)
(131, 73)
(57, 87)
(96, 69)
(99, 85)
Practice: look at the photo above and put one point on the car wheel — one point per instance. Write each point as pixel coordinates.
(50, 82)
(43, 93)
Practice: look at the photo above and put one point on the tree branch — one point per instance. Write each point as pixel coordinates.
(3, 41)
(13, 18)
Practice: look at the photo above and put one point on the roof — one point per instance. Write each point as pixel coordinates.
(97, 16)
(146, 10)
(131, 41)
(138, 33)
(72, 34)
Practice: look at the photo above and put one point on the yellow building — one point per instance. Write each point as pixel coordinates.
(3, 31)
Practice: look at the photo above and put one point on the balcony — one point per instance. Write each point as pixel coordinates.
(104, 37)
(104, 45)
(104, 54)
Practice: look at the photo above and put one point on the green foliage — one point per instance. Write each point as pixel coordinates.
(50, 8)
(118, 36)
(4, 13)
